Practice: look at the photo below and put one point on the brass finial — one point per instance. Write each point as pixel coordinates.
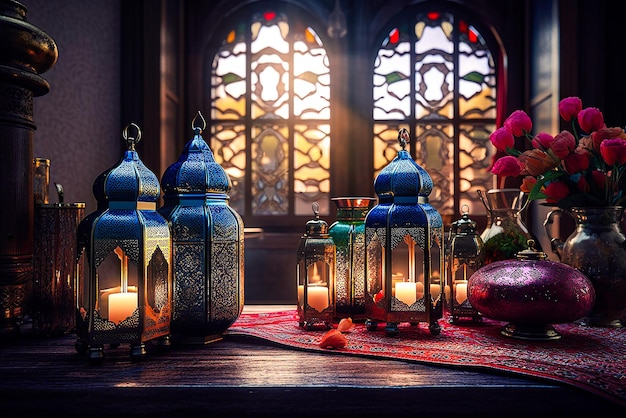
(197, 129)
(316, 209)
(131, 141)
(403, 137)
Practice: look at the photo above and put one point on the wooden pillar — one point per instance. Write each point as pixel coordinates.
(25, 53)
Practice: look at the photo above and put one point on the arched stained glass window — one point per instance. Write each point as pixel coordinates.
(435, 75)
(270, 116)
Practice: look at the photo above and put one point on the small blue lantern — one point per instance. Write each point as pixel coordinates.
(124, 274)
(208, 244)
(404, 248)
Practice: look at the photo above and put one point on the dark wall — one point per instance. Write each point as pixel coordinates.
(78, 121)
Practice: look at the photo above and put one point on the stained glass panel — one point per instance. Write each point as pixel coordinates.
(312, 167)
(266, 77)
(270, 170)
(439, 77)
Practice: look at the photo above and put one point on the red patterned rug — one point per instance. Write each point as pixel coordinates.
(593, 359)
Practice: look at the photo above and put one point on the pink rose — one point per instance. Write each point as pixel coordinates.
(502, 139)
(613, 151)
(570, 107)
(518, 123)
(563, 144)
(591, 119)
(542, 140)
(556, 191)
(507, 166)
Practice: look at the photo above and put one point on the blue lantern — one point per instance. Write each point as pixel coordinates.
(124, 273)
(404, 248)
(208, 244)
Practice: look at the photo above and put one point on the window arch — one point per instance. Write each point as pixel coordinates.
(435, 75)
(270, 116)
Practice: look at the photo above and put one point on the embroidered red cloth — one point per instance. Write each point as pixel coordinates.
(591, 358)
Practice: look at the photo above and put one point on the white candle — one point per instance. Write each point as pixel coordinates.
(317, 297)
(461, 292)
(121, 306)
(406, 292)
(395, 279)
(420, 290)
(300, 294)
(435, 290)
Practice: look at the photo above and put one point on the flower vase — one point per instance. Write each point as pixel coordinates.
(597, 248)
(505, 234)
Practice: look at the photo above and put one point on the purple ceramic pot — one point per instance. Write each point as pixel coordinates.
(531, 294)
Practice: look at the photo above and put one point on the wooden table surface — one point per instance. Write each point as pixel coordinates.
(241, 376)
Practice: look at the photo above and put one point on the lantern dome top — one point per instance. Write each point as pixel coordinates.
(465, 225)
(196, 170)
(403, 176)
(130, 180)
(316, 227)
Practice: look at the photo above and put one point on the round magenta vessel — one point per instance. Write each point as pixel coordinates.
(531, 295)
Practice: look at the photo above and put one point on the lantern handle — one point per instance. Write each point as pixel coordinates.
(198, 128)
(403, 137)
(316, 209)
(131, 141)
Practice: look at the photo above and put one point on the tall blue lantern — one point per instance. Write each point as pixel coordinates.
(124, 273)
(208, 244)
(404, 258)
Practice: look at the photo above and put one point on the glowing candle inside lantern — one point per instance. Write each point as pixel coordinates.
(420, 290)
(121, 306)
(317, 297)
(406, 292)
(461, 292)
(395, 279)
(435, 290)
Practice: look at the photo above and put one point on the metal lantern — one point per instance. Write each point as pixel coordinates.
(315, 275)
(463, 257)
(208, 244)
(348, 233)
(404, 254)
(124, 279)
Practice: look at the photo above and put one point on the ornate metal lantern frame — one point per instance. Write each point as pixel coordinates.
(124, 280)
(404, 252)
(315, 275)
(208, 244)
(463, 260)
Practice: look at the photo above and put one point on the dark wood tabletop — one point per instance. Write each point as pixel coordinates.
(243, 376)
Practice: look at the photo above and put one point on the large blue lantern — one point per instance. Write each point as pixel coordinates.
(124, 273)
(404, 248)
(208, 244)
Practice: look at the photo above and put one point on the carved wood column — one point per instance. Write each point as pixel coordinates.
(25, 52)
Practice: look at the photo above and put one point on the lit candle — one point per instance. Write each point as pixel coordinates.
(121, 306)
(406, 292)
(395, 279)
(317, 297)
(420, 290)
(461, 292)
(300, 294)
(435, 290)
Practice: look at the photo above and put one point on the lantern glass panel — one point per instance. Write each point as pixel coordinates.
(118, 284)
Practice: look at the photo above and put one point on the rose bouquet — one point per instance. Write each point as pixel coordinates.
(582, 167)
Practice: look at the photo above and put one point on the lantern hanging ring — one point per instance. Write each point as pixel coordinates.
(200, 127)
(403, 137)
(131, 141)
